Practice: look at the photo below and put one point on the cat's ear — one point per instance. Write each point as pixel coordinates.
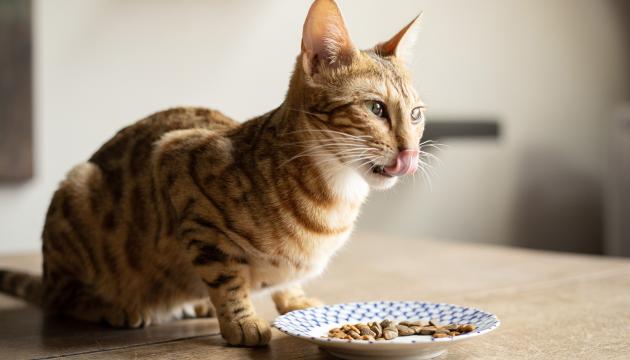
(401, 44)
(325, 39)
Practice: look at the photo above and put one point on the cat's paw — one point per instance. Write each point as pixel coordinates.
(197, 309)
(126, 319)
(135, 320)
(249, 331)
(299, 303)
(204, 309)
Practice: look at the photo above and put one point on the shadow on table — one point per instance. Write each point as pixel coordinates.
(280, 347)
(27, 333)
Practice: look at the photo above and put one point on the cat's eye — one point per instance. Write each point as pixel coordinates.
(417, 115)
(378, 108)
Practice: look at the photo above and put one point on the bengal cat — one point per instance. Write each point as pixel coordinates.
(187, 212)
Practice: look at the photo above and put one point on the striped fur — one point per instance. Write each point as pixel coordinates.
(188, 212)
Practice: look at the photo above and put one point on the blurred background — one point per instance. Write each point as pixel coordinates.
(553, 77)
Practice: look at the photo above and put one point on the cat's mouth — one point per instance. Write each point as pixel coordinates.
(377, 176)
(379, 170)
(406, 163)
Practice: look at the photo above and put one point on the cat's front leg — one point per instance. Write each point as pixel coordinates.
(227, 277)
(228, 287)
(293, 298)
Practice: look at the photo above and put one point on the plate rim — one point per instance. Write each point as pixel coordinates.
(422, 340)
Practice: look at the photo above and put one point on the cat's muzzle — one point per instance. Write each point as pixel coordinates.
(406, 163)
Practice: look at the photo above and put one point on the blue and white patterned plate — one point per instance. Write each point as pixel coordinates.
(313, 324)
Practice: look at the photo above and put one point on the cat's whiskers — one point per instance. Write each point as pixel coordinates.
(426, 165)
(425, 168)
(325, 149)
(432, 142)
(342, 159)
(347, 158)
(328, 131)
(337, 147)
(337, 157)
(430, 156)
(435, 146)
(413, 178)
(340, 144)
(426, 171)
(426, 177)
(369, 169)
(335, 142)
(374, 162)
(324, 141)
(337, 135)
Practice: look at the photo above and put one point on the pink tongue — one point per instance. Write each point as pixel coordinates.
(406, 163)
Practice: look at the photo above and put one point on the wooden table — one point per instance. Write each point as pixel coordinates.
(552, 306)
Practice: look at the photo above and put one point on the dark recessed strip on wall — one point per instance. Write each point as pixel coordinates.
(16, 123)
(467, 129)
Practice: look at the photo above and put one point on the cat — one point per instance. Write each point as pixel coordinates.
(187, 212)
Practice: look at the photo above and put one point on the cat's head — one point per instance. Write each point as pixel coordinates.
(363, 102)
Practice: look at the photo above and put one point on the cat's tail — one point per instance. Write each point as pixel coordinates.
(22, 285)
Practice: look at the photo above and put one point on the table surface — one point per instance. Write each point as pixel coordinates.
(552, 306)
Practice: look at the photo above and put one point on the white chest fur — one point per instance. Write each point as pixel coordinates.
(348, 185)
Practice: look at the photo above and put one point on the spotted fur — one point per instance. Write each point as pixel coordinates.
(188, 210)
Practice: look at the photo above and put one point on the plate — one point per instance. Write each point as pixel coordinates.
(312, 325)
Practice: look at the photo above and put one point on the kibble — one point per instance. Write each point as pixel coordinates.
(376, 328)
(451, 327)
(388, 329)
(365, 330)
(404, 330)
(385, 323)
(427, 330)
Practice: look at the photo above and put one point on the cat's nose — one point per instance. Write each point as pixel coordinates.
(406, 163)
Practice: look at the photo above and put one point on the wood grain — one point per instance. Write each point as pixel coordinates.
(16, 142)
(549, 303)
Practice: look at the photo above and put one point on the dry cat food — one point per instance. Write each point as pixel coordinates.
(388, 329)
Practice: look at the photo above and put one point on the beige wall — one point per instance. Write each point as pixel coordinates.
(550, 70)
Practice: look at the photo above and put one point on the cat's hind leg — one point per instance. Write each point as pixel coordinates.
(194, 310)
(92, 309)
(74, 299)
(203, 309)
(98, 311)
(293, 298)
